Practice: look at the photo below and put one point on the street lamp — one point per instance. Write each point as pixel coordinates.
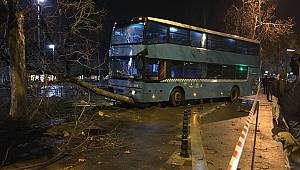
(290, 50)
(39, 22)
(294, 61)
(52, 46)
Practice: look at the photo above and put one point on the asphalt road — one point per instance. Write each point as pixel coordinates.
(150, 138)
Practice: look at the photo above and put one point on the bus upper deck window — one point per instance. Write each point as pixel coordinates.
(179, 36)
(196, 39)
(156, 33)
(132, 33)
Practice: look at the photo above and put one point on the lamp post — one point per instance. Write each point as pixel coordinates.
(52, 46)
(289, 51)
(294, 62)
(39, 22)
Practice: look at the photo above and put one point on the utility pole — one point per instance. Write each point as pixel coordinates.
(39, 25)
(99, 68)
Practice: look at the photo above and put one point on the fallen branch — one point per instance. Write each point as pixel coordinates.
(96, 90)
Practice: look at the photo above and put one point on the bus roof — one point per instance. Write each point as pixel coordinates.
(199, 29)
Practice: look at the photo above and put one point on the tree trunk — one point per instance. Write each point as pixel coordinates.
(16, 42)
(97, 90)
(254, 28)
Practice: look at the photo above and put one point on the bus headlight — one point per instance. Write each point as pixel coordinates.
(133, 92)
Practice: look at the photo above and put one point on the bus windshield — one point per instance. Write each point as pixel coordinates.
(126, 67)
(128, 34)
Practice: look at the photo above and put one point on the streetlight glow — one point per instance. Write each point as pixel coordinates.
(290, 50)
(52, 46)
(42, 1)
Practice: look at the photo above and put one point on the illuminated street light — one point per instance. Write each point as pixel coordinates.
(39, 14)
(52, 46)
(290, 50)
(39, 23)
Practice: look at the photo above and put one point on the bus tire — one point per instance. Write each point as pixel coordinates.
(234, 94)
(176, 97)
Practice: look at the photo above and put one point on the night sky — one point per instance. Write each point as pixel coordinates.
(290, 8)
(203, 13)
(190, 13)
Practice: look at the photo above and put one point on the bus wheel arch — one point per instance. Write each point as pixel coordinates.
(235, 93)
(177, 96)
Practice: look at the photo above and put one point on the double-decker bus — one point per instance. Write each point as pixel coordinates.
(157, 60)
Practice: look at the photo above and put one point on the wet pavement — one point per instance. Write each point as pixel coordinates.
(222, 128)
(150, 138)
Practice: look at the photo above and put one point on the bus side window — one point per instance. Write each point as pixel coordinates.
(151, 69)
(253, 49)
(247, 48)
(228, 72)
(230, 45)
(195, 70)
(156, 33)
(241, 72)
(215, 42)
(196, 39)
(176, 69)
(214, 71)
(179, 36)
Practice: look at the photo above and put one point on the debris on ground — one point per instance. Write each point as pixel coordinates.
(81, 160)
(66, 134)
(95, 130)
(100, 113)
(210, 162)
(68, 167)
(127, 152)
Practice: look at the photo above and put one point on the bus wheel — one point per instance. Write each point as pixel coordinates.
(234, 94)
(176, 97)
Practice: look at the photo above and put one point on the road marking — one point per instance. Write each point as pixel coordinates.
(198, 157)
(209, 111)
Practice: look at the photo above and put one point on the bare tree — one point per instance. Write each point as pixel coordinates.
(256, 19)
(74, 27)
(12, 21)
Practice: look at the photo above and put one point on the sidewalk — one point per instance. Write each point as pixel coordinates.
(269, 153)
